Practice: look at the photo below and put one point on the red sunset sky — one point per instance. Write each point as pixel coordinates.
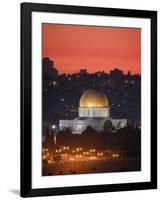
(74, 47)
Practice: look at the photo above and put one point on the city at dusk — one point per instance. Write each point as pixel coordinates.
(91, 94)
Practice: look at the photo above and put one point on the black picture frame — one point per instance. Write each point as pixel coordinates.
(26, 104)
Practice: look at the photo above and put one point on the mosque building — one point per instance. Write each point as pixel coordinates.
(93, 111)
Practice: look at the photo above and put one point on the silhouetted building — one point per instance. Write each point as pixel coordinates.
(83, 71)
(116, 74)
(49, 72)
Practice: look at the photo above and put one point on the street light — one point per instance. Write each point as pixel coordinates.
(53, 126)
(54, 132)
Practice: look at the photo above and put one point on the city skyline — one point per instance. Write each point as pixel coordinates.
(92, 48)
(64, 91)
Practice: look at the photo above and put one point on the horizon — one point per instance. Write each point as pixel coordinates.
(94, 48)
(106, 72)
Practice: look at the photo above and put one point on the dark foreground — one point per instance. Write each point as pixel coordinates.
(93, 166)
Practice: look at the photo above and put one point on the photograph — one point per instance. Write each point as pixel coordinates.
(88, 99)
(91, 99)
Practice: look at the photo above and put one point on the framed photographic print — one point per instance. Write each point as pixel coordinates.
(88, 99)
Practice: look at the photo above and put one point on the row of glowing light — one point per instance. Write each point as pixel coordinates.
(84, 153)
(78, 156)
(116, 155)
(77, 149)
(67, 148)
(73, 151)
(87, 153)
(72, 158)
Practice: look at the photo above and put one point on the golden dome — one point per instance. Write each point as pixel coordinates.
(93, 99)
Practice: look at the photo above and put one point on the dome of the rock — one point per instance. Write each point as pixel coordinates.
(93, 99)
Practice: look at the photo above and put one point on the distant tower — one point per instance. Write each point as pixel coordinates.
(49, 71)
(116, 74)
(83, 71)
(129, 73)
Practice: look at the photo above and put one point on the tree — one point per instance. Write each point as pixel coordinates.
(89, 130)
(108, 126)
